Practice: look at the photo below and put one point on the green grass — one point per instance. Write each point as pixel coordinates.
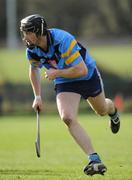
(61, 158)
(14, 66)
(117, 59)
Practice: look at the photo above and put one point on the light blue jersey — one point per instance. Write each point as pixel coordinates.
(63, 52)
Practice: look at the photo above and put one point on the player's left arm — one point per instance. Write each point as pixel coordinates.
(74, 64)
(76, 71)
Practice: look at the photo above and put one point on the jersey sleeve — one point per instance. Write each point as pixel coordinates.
(34, 63)
(70, 50)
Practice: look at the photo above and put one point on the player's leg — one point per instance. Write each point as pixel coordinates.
(101, 105)
(104, 106)
(98, 104)
(68, 103)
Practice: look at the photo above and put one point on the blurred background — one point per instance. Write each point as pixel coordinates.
(103, 26)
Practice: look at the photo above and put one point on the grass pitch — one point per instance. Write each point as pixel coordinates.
(61, 158)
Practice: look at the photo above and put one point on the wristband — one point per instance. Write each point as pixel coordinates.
(37, 97)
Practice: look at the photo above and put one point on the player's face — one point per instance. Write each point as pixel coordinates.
(30, 38)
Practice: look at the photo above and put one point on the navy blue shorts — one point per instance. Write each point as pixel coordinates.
(86, 88)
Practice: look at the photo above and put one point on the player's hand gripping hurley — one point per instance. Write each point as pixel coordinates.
(37, 142)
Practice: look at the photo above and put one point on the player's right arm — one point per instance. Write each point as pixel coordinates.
(34, 76)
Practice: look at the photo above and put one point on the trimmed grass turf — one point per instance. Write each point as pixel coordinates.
(61, 158)
(116, 59)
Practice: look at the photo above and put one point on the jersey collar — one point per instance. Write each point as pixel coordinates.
(49, 41)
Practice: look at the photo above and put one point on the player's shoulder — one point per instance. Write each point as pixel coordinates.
(57, 32)
(60, 34)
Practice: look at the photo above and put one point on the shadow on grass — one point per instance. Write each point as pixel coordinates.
(30, 172)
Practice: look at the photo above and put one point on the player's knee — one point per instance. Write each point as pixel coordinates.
(103, 111)
(67, 120)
